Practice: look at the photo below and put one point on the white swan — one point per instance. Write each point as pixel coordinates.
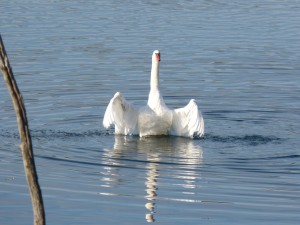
(155, 118)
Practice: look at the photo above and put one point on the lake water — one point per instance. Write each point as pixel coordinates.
(238, 59)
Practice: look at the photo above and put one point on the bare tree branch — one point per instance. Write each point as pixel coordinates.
(26, 144)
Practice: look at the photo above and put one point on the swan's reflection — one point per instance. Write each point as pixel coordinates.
(151, 182)
(181, 154)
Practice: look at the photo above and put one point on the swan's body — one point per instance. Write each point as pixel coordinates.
(155, 118)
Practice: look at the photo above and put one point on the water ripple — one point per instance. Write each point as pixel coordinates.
(252, 140)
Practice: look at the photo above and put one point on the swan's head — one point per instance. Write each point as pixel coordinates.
(156, 55)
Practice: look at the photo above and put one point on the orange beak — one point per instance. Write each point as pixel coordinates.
(157, 56)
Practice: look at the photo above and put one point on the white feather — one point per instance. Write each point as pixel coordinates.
(188, 121)
(122, 114)
(155, 118)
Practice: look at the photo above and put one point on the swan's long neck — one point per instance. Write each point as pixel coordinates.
(155, 101)
(154, 83)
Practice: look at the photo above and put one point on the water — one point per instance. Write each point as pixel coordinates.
(238, 59)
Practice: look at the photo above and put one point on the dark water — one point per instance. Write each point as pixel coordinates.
(238, 59)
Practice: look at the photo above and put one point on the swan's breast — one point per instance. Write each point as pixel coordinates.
(153, 123)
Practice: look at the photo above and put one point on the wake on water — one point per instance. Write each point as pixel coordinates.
(250, 139)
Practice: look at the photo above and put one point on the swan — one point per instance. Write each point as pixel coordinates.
(155, 118)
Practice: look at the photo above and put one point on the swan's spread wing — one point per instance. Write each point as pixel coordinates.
(188, 121)
(122, 114)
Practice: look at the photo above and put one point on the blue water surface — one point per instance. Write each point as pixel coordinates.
(238, 59)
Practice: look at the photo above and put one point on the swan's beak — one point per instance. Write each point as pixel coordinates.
(157, 56)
